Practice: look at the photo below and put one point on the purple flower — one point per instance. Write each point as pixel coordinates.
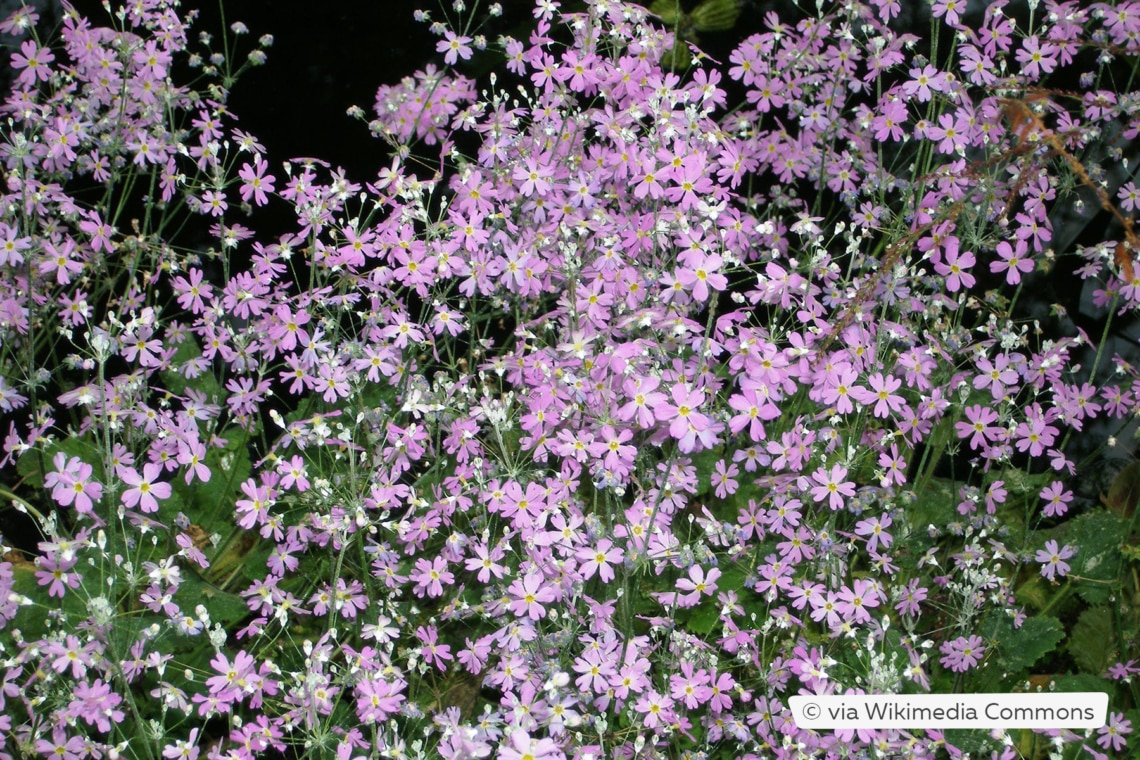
(954, 267)
(963, 653)
(144, 491)
(1112, 734)
(33, 63)
(1052, 559)
(832, 486)
(454, 47)
(1014, 261)
(599, 559)
(529, 594)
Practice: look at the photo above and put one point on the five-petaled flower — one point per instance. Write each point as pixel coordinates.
(1052, 559)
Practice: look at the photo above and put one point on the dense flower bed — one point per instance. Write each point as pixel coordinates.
(639, 393)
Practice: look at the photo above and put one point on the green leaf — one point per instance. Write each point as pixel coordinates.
(224, 607)
(1125, 491)
(1020, 648)
(1082, 682)
(177, 383)
(32, 620)
(937, 505)
(1035, 592)
(1021, 483)
(1097, 537)
(972, 741)
(213, 501)
(705, 464)
(704, 619)
(1087, 642)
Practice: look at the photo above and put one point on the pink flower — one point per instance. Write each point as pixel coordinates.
(33, 63)
(1112, 734)
(881, 394)
(702, 274)
(724, 479)
(183, 750)
(686, 421)
(214, 203)
(1014, 261)
(962, 653)
(691, 687)
(192, 455)
(96, 704)
(1057, 499)
(948, 9)
(1129, 196)
(430, 577)
(1036, 58)
(377, 699)
(520, 746)
(924, 83)
(55, 573)
(529, 594)
(12, 245)
(234, 678)
(831, 486)
(979, 423)
(143, 491)
(62, 746)
(486, 562)
(1035, 435)
(997, 375)
(433, 652)
(854, 602)
(954, 266)
(643, 400)
(71, 483)
(600, 559)
(254, 182)
(535, 178)
(1052, 559)
(58, 259)
(152, 59)
(697, 584)
(874, 529)
(656, 709)
(454, 47)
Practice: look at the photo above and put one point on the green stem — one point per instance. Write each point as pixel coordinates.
(1059, 597)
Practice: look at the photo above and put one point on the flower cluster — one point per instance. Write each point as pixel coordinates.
(633, 414)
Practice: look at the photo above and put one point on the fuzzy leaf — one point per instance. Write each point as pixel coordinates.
(174, 381)
(1097, 537)
(211, 503)
(1087, 642)
(1020, 648)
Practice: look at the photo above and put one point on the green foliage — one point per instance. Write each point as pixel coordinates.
(1090, 642)
(1077, 682)
(1018, 649)
(205, 503)
(222, 606)
(34, 620)
(175, 382)
(1098, 536)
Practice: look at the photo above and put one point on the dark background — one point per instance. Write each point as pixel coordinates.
(326, 57)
